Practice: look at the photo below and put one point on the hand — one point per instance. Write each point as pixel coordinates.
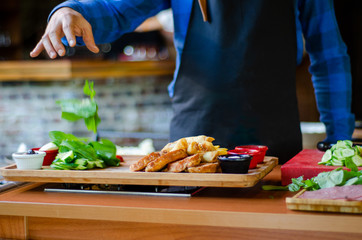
(69, 23)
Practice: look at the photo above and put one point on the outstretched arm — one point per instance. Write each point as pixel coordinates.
(98, 21)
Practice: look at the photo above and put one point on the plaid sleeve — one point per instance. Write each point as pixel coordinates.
(330, 67)
(112, 18)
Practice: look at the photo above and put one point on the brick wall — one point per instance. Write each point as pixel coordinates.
(28, 110)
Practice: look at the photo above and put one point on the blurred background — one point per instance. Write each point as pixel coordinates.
(131, 77)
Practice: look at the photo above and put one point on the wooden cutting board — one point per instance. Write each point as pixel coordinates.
(122, 175)
(305, 163)
(323, 205)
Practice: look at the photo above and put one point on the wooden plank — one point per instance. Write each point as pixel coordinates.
(212, 218)
(63, 70)
(323, 205)
(12, 227)
(49, 228)
(101, 69)
(35, 70)
(122, 175)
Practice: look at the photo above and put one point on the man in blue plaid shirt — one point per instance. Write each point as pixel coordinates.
(88, 22)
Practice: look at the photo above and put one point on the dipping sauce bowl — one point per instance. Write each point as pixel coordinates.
(49, 157)
(255, 154)
(26, 161)
(261, 148)
(234, 163)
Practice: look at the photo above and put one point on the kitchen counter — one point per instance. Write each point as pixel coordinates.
(214, 213)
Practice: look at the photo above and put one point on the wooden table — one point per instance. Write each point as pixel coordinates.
(214, 213)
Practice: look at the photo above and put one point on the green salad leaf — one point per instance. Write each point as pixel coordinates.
(77, 153)
(86, 108)
(106, 150)
(336, 177)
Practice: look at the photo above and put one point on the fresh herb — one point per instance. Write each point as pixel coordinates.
(336, 177)
(343, 153)
(77, 153)
(86, 108)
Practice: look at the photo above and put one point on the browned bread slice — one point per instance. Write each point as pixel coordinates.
(163, 160)
(182, 164)
(142, 163)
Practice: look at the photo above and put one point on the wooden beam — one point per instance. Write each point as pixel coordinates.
(66, 70)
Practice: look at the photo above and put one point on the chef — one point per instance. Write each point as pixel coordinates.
(235, 67)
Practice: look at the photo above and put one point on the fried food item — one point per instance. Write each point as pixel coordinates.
(210, 156)
(222, 151)
(206, 147)
(163, 160)
(142, 163)
(187, 162)
(204, 168)
(200, 139)
(192, 148)
(192, 145)
(179, 144)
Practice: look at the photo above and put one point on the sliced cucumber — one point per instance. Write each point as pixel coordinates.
(99, 163)
(66, 156)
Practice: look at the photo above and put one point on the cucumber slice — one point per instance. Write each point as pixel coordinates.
(99, 163)
(90, 164)
(357, 160)
(348, 152)
(327, 156)
(66, 156)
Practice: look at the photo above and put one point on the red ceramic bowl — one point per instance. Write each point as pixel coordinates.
(261, 148)
(256, 154)
(49, 157)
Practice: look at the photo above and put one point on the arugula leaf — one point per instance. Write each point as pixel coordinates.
(336, 177)
(77, 108)
(106, 150)
(86, 155)
(86, 108)
(88, 90)
(273, 188)
(349, 163)
(57, 137)
(81, 149)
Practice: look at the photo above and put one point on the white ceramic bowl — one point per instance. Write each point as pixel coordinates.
(29, 161)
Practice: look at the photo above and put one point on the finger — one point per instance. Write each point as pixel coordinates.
(55, 40)
(49, 48)
(69, 34)
(89, 39)
(37, 50)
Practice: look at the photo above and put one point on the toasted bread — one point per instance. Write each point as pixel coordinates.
(163, 160)
(182, 164)
(142, 163)
(210, 156)
(204, 168)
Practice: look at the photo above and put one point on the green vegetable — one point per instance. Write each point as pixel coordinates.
(337, 177)
(343, 153)
(67, 157)
(76, 154)
(106, 150)
(86, 108)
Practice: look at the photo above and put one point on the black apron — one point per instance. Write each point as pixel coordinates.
(236, 80)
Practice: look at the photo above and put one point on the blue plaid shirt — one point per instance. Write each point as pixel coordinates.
(330, 64)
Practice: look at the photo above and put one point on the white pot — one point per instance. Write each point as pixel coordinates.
(29, 161)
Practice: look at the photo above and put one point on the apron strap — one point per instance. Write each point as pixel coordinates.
(203, 7)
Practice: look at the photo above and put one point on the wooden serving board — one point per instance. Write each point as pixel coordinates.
(323, 205)
(122, 175)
